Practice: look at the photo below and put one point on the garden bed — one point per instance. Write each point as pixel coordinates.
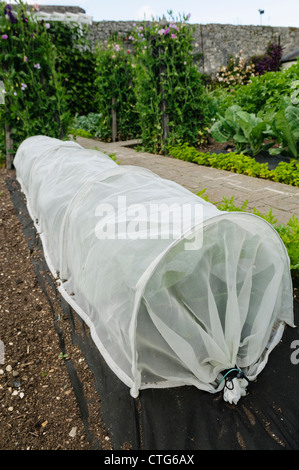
(264, 166)
(227, 147)
(271, 160)
(73, 401)
(39, 404)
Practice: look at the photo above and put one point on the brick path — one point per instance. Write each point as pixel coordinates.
(261, 194)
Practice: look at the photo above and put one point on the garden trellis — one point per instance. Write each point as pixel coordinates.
(168, 304)
(170, 96)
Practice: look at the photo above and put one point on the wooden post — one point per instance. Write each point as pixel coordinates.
(8, 139)
(114, 120)
(165, 117)
(8, 145)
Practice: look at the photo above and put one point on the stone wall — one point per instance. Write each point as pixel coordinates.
(215, 42)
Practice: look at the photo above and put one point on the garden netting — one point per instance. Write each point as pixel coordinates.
(175, 292)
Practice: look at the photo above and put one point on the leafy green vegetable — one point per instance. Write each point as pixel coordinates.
(90, 125)
(254, 129)
(264, 93)
(246, 130)
(228, 129)
(286, 129)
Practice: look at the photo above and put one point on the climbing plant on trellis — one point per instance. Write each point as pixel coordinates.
(167, 84)
(34, 97)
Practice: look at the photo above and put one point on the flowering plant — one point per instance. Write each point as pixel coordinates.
(75, 60)
(114, 87)
(270, 61)
(168, 87)
(236, 72)
(34, 98)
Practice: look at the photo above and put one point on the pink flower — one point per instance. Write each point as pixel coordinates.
(47, 25)
(4, 36)
(166, 31)
(173, 36)
(174, 26)
(37, 66)
(36, 7)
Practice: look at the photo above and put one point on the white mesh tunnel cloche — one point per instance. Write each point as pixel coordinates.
(175, 292)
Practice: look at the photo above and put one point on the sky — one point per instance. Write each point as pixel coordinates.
(236, 12)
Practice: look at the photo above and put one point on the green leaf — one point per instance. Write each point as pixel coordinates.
(231, 115)
(219, 133)
(292, 115)
(283, 125)
(275, 151)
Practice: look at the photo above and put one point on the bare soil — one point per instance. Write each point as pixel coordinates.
(39, 410)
